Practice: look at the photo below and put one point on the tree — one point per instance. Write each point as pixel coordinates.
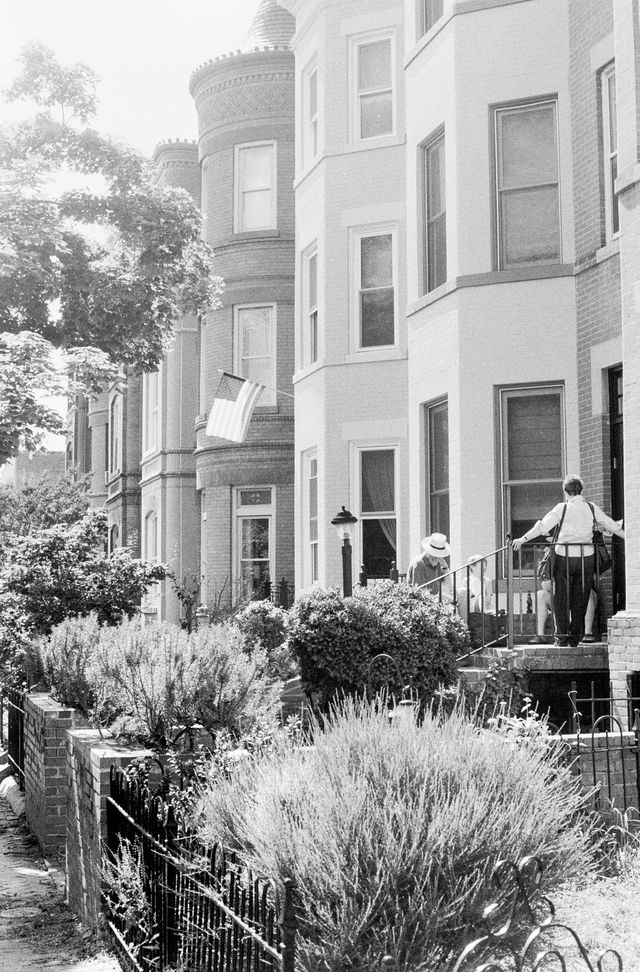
(96, 259)
(43, 503)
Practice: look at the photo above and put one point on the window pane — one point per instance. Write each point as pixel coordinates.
(439, 510)
(534, 432)
(528, 146)
(615, 209)
(376, 115)
(528, 503)
(432, 12)
(378, 481)
(255, 323)
(378, 546)
(611, 92)
(374, 65)
(256, 210)
(376, 318)
(435, 178)
(439, 447)
(313, 280)
(376, 261)
(253, 578)
(437, 253)
(255, 538)
(255, 497)
(256, 164)
(313, 94)
(530, 226)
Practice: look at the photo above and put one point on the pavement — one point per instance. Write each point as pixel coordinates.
(38, 932)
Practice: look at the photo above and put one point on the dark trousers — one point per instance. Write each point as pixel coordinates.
(572, 577)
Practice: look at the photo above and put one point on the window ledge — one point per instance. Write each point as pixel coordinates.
(375, 354)
(610, 249)
(366, 144)
(264, 234)
(307, 370)
(627, 178)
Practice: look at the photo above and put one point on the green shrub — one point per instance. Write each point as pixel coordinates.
(391, 833)
(335, 638)
(153, 682)
(264, 627)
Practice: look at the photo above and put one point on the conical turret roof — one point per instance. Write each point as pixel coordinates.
(272, 26)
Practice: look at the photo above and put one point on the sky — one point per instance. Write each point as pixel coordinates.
(144, 52)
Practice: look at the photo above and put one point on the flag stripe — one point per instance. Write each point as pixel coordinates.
(230, 419)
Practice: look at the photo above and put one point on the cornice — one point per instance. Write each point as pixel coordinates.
(241, 80)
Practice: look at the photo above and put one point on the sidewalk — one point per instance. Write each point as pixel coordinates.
(38, 933)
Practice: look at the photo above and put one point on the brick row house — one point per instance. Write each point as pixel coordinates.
(454, 302)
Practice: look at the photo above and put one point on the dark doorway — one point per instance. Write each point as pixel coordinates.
(550, 690)
(617, 483)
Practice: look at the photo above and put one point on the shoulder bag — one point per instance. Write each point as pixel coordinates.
(545, 567)
(602, 555)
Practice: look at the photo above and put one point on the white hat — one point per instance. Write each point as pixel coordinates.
(436, 545)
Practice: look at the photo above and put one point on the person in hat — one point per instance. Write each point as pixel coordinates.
(431, 564)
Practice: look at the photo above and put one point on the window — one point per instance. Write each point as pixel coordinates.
(376, 297)
(437, 449)
(431, 10)
(114, 538)
(151, 537)
(610, 150)
(150, 410)
(435, 214)
(310, 323)
(255, 187)
(310, 115)
(378, 510)
(312, 518)
(374, 95)
(255, 348)
(115, 435)
(254, 515)
(527, 192)
(532, 454)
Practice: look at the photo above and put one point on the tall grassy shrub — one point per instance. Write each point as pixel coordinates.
(391, 832)
(335, 639)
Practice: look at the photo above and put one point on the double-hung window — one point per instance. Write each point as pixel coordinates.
(310, 297)
(309, 115)
(255, 187)
(435, 213)
(253, 540)
(527, 188)
(430, 12)
(532, 454)
(376, 290)
(150, 411)
(115, 434)
(610, 150)
(374, 89)
(378, 510)
(255, 347)
(437, 466)
(312, 518)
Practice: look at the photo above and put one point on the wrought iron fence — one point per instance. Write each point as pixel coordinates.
(203, 910)
(13, 703)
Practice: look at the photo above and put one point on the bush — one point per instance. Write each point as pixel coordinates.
(391, 834)
(152, 682)
(335, 638)
(264, 627)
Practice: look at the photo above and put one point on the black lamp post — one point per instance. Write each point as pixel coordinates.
(344, 522)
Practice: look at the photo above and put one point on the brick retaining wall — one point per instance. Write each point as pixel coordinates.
(608, 762)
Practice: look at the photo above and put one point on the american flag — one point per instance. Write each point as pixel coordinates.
(232, 407)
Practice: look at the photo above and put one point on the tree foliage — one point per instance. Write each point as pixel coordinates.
(42, 503)
(96, 258)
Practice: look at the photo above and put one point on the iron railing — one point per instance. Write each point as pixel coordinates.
(203, 910)
(12, 700)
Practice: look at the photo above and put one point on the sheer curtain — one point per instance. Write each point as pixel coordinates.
(378, 488)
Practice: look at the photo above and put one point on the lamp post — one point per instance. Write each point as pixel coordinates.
(344, 522)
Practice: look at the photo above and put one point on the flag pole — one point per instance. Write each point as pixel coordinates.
(279, 391)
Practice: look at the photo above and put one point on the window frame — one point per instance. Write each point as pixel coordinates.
(253, 511)
(360, 449)
(310, 123)
(268, 398)
(151, 412)
(116, 427)
(356, 42)
(311, 556)
(238, 224)
(609, 154)
(431, 143)
(310, 344)
(496, 112)
(430, 409)
(503, 394)
(357, 235)
(426, 22)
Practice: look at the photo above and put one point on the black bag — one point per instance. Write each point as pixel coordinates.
(602, 556)
(545, 567)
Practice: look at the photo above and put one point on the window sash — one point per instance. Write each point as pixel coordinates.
(311, 299)
(374, 95)
(528, 203)
(378, 516)
(255, 351)
(150, 393)
(437, 433)
(253, 541)
(376, 294)
(310, 120)
(610, 150)
(312, 503)
(431, 11)
(115, 430)
(255, 187)
(435, 214)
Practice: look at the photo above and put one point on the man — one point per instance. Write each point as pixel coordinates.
(574, 557)
(430, 565)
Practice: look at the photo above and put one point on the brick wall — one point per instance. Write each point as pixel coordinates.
(606, 762)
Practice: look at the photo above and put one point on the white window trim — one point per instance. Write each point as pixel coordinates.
(307, 458)
(607, 154)
(115, 435)
(306, 121)
(249, 512)
(306, 360)
(375, 445)
(237, 190)
(268, 398)
(357, 234)
(430, 407)
(426, 147)
(153, 593)
(519, 391)
(355, 42)
(422, 18)
(150, 447)
(504, 109)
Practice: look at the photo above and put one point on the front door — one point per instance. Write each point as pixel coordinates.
(617, 483)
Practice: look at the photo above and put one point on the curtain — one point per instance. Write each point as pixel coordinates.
(378, 488)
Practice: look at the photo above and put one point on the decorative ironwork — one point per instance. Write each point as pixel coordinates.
(205, 910)
(13, 699)
(609, 755)
(520, 932)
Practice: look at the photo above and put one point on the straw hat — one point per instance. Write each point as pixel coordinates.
(436, 545)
